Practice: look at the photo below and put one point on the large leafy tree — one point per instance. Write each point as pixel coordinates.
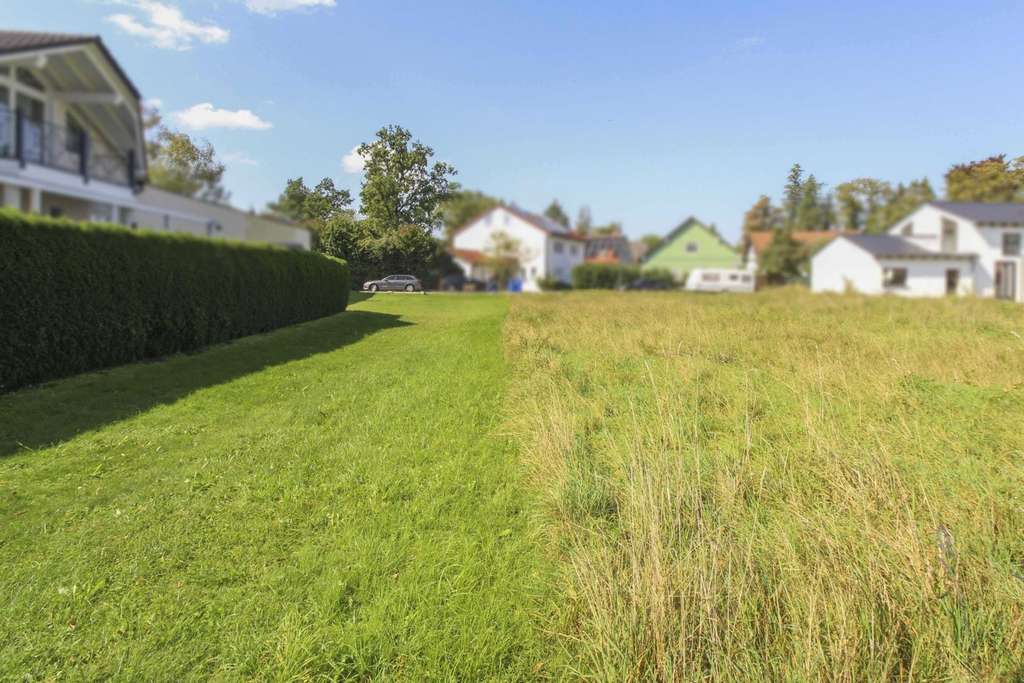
(462, 206)
(400, 186)
(994, 179)
(401, 204)
(556, 213)
(179, 164)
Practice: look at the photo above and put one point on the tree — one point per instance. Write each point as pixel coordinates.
(555, 213)
(781, 262)
(400, 187)
(990, 180)
(401, 200)
(761, 217)
(462, 206)
(862, 202)
(811, 212)
(903, 202)
(609, 230)
(584, 221)
(793, 193)
(180, 165)
(503, 257)
(315, 206)
(651, 241)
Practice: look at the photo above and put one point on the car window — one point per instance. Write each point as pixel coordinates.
(389, 278)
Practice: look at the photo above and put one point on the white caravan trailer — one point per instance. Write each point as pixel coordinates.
(720, 280)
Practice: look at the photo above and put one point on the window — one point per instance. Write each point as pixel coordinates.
(1011, 244)
(894, 277)
(733, 277)
(745, 278)
(948, 236)
(574, 250)
(710, 277)
(75, 136)
(691, 247)
(907, 230)
(559, 247)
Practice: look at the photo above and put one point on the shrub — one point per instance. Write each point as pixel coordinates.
(603, 275)
(552, 284)
(661, 275)
(76, 297)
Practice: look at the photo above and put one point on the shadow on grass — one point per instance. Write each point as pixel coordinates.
(37, 417)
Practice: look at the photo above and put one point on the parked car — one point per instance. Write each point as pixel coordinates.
(394, 283)
(720, 280)
(458, 282)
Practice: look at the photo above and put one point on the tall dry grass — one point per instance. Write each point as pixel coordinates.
(779, 487)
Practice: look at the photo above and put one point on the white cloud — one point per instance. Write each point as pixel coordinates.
(353, 162)
(165, 26)
(272, 7)
(205, 115)
(238, 158)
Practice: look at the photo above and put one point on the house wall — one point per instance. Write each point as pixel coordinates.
(710, 252)
(924, 228)
(927, 277)
(563, 255)
(843, 266)
(534, 250)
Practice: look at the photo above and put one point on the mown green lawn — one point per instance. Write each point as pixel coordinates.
(330, 501)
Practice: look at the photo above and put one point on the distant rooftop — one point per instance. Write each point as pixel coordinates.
(989, 214)
(892, 246)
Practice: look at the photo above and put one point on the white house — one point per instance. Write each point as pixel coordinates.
(72, 144)
(544, 248)
(943, 248)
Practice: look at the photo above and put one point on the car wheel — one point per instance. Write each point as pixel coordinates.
(373, 288)
(409, 288)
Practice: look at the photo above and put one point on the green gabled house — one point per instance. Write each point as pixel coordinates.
(691, 245)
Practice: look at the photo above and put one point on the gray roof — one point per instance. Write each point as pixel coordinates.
(12, 42)
(982, 213)
(891, 246)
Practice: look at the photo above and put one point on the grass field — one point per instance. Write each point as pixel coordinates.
(330, 501)
(590, 486)
(779, 487)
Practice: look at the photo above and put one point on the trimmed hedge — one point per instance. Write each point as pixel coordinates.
(77, 297)
(615, 275)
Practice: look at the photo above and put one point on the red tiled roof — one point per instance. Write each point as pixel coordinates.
(603, 256)
(468, 255)
(761, 239)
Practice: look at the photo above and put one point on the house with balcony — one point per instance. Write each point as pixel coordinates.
(72, 145)
(941, 249)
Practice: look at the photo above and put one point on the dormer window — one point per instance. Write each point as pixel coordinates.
(907, 230)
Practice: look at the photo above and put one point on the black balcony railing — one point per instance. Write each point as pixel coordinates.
(66, 149)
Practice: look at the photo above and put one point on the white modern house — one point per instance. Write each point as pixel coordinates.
(544, 248)
(72, 145)
(943, 248)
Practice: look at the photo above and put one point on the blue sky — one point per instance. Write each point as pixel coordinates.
(648, 112)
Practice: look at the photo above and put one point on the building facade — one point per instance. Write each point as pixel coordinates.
(72, 144)
(542, 247)
(943, 248)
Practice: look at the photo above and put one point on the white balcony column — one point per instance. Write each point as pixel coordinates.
(35, 200)
(11, 197)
